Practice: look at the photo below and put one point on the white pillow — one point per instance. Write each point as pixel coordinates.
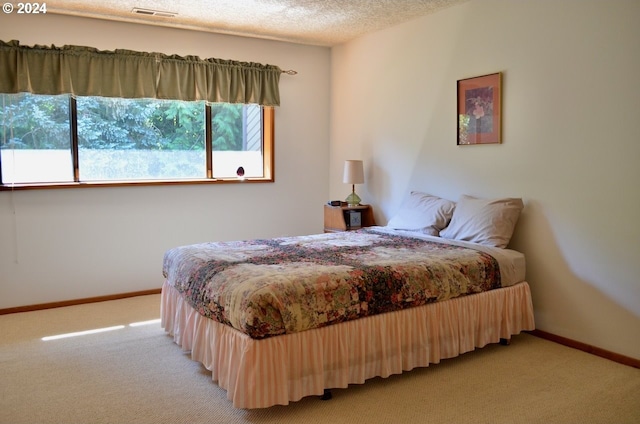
(485, 221)
(423, 212)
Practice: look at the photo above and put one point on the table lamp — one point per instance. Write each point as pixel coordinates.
(353, 174)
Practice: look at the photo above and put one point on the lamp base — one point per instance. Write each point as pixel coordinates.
(353, 199)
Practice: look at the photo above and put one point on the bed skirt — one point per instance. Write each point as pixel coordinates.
(283, 369)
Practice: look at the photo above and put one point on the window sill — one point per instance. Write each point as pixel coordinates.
(93, 184)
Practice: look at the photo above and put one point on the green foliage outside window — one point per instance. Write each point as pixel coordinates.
(34, 122)
(42, 122)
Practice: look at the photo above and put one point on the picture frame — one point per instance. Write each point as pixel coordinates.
(355, 219)
(480, 110)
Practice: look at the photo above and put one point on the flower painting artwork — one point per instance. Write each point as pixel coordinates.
(479, 115)
(479, 107)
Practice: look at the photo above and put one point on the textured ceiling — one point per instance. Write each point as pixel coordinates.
(315, 22)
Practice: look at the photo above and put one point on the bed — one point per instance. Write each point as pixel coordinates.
(276, 320)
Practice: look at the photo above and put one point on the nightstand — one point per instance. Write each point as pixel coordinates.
(347, 218)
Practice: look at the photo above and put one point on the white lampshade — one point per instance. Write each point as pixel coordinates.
(353, 172)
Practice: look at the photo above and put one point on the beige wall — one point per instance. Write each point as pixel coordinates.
(571, 146)
(69, 244)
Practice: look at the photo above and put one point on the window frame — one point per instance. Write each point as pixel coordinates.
(268, 157)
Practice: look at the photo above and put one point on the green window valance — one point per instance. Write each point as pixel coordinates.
(86, 71)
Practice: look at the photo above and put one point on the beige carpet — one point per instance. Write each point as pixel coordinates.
(138, 375)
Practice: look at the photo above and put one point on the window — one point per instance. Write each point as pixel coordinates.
(140, 139)
(237, 140)
(72, 141)
(35, 143)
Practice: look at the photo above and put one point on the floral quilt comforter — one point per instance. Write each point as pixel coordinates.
(285, 285)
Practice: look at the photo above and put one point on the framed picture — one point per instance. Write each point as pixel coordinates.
(355, 219)
(479, 110)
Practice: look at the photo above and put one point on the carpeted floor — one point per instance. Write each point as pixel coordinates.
(136, 374)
